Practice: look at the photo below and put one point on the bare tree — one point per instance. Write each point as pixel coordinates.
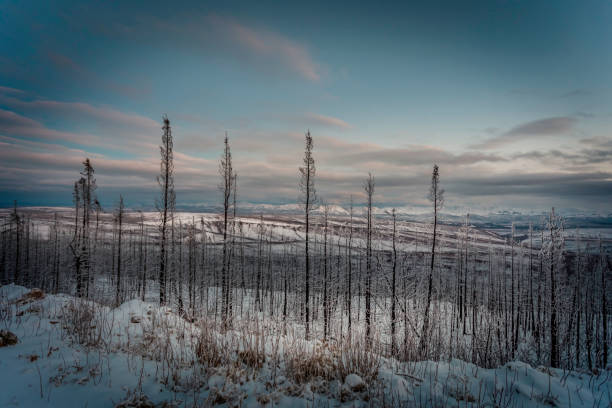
(227, 175)
(119, 220)
(369, 190)
(307, 199)
(233, 245)
(603, 265)
(349, 266)
(165, 203)
(393, 283)
(436, 196)
(258, 290)
(143, 258)
(56, 254)
(191, 232)
(83, 193)
(553, 249)
(88, 187)
(16, 220)
(97, 207)
(577, 295)
(325, 273)
(512, 296)
(531, 302)
(74, 244)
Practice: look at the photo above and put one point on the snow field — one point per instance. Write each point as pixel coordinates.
(73, 352)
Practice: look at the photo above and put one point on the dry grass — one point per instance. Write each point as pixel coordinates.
(251, 351)
(87, 323)
(356, 357)
(331, 361)
(7, 338)
(31, 296)
(6, 312)
(304, 365)
(209, 351)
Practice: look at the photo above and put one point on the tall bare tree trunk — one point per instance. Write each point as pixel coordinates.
(307, 188)
(325, 274)
(227, 174)
(119, 234)
(436, 196)
(393, 283)
(165, 204)
(604, 308)
(369, 189)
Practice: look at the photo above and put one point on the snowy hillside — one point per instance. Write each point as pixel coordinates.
(72, 352)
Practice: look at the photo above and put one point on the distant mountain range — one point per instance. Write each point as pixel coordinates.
(574, 217)
(495, 219)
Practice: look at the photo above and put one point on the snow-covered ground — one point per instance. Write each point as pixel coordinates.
(278, 228)
(74, 353)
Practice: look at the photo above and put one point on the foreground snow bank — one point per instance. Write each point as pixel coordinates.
(76, 353)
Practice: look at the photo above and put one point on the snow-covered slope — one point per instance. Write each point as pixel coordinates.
(74, 353)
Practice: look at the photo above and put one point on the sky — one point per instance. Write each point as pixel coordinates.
(512, 99)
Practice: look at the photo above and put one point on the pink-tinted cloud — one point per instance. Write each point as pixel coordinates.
(105, 126)
(328, 121)
(15, 124)
(102, 113)
(264, 44)
(267, 162)
(249, 44)
(9, 90)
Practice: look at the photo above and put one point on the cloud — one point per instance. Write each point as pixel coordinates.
(9, 90)
(249, 44)
(576, 93)
(542, 127)
(598, 141)
(14, 124)
(97, 125)
(327, 121)
(585, 115)
(38, 161)
(254, 46)
(87, 77)
(551, 185)
(80, 109)
(548, 126)
(415, 155)
(595, 150)
(267, 162)
(267, 45)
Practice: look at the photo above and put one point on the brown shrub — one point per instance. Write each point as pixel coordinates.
(332, 361)
(356, 357)
(305, 365)
(31, 296)
(86, 323)
(252, 351)
(7, 338)
(208, 349)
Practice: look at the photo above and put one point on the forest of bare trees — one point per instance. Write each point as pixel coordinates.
(346, 276)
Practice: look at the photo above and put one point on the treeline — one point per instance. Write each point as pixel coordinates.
(478, 302)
